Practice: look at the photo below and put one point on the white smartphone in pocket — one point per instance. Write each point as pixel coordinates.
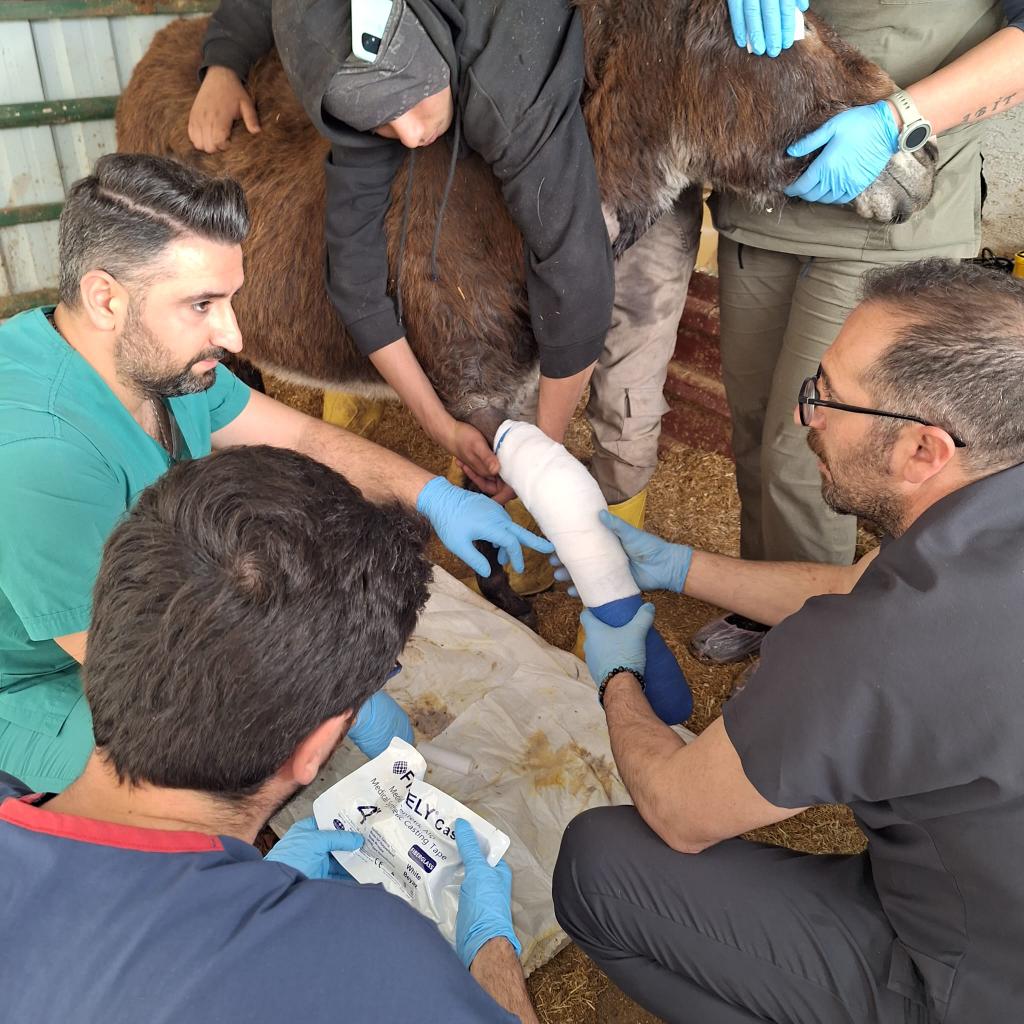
(369, 20)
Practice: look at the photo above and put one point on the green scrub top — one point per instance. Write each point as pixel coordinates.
(72, 461)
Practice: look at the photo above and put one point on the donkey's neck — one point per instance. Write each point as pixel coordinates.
(634, 53)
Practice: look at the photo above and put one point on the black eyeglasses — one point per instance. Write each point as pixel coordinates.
(809, 396)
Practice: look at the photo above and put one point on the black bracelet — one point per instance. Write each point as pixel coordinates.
(638, 676)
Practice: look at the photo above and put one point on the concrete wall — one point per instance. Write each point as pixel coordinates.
(1003, 222)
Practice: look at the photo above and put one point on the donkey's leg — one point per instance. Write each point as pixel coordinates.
(517, 394)
(499, 592)
(246, 372)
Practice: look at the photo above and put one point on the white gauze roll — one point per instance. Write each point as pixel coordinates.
(565, 500)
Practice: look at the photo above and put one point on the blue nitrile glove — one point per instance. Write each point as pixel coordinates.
(610, 647)
(308, 849)
(767, 24)
(485, 898)
(858, 143)
(379, 721)
(460, 517)
(656, 564)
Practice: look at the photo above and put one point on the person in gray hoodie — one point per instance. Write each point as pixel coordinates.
(506, 80)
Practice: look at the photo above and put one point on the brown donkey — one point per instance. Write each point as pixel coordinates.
(670, 100)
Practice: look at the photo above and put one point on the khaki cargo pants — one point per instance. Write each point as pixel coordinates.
(626, 391)
(779, 314)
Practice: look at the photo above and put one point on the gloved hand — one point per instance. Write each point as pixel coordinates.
(379, 721)
(308, 849)
(655, 564)
(858, 143)
(610, 647)
(485, 898)
(767, 24)
(460, 517)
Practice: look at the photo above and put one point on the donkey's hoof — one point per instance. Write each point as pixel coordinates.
(497, 589)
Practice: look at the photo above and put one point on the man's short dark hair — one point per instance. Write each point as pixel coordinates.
(124, 215)
(247, 598)
(958, 357)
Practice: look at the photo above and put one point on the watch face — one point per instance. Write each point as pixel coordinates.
(916, 137)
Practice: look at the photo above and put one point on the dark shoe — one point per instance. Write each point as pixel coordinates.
(990, 261)
(730, 638)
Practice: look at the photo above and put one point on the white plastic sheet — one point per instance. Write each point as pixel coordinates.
(478, 682)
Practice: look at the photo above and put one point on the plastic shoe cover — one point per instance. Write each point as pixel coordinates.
(730, 638)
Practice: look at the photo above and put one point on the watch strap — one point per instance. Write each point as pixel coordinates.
(915, 130)
(903, 102)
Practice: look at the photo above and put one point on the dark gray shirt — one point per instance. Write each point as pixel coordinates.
(905, 700)
(1014, 10)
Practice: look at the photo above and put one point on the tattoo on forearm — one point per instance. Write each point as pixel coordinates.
(981, 113)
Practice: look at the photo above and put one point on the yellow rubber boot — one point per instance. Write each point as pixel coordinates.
(538, 573)
(633, 511)
(454, 474)
(353, 412)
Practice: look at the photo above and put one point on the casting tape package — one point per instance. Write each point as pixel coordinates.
(408, 828)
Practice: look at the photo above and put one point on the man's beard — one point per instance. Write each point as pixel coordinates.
(142, 362)
(848, 490)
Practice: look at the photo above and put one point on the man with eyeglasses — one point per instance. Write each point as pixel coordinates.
(893, 686)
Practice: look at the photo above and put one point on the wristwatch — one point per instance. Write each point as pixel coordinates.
(916, 131)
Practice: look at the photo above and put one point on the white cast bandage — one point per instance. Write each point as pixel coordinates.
(565, 500)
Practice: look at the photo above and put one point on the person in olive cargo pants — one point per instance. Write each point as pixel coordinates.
(790, 277)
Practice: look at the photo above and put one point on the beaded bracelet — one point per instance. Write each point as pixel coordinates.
(638, 676)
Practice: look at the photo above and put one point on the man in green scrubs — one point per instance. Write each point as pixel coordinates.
(101, 394)
(73, 459)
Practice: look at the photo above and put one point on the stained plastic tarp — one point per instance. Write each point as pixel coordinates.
(478, 682)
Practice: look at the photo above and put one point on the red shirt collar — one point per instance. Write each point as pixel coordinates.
(23, 813)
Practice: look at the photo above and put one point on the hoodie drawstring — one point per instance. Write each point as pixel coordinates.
(407, 205)
(456, 138)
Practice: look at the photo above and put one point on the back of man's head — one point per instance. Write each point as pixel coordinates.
(247, 598)
(123, 216)
(958, 357)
